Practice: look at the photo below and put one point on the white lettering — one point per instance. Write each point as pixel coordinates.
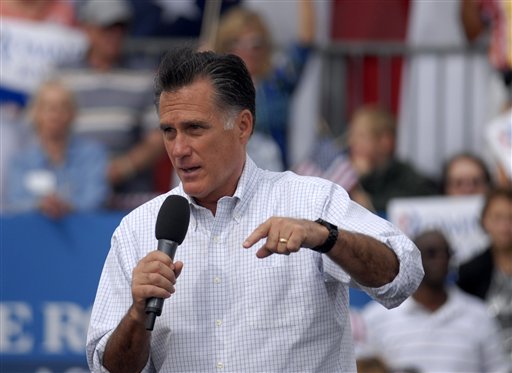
(65, 327)
(14, 316)
(69, 370)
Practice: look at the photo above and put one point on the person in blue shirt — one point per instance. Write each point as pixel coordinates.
(59, 172)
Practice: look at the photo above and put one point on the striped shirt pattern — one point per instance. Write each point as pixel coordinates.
(458, 337)
(114, 107)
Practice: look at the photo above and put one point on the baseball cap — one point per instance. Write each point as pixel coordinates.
(105, 12)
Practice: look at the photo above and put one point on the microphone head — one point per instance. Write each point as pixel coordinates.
(173, 218)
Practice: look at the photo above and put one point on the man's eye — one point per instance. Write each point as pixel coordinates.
(168, 131)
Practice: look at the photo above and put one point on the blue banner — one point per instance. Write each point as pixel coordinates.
(49, 271)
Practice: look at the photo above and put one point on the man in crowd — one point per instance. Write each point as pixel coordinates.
(439, 328)
(114, 94)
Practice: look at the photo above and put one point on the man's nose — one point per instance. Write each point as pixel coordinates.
(181, 146)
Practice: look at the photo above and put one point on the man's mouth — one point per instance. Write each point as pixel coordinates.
(189, 170)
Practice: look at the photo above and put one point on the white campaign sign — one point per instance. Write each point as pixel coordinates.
(499, 138)
(457, 217)
(30, 50)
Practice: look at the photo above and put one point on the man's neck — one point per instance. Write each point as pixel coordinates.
(55, 149)
(431, 298)
(99, 62)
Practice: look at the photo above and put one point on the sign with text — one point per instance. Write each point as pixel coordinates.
(499, 138)
(49, 271)
(31, 50)
(457, 217)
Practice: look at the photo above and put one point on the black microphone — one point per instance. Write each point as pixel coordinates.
(170, 230)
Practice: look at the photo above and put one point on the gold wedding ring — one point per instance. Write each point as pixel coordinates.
(283, 240)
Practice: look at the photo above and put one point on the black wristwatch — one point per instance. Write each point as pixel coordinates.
(331, 238)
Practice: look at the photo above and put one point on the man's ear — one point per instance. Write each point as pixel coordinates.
(245, 125)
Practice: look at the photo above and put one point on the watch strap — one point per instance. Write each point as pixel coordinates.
(331, 238)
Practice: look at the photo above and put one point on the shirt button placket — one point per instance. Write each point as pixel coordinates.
(218, 298)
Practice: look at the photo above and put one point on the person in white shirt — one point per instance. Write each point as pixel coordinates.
(263, 280)
(439, 328)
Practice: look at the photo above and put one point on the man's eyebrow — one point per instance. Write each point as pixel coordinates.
(187, 123)
(195, 123)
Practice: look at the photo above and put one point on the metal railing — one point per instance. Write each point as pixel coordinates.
(344, 84)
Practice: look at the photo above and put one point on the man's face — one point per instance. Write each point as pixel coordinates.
(53, 113)
(497, 222)
(251, 47)
(364, 145)
(107, 41)
(465, 177)
(435, 256)
(363, 141)
(207, 157)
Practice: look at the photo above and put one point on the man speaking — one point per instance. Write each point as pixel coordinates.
(261, 280)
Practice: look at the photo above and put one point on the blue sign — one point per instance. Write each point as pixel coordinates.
(49, 271)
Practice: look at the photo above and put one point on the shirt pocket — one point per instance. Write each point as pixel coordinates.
(272, 297)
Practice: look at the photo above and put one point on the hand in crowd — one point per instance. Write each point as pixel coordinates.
(119, 170)
(362, 165)
(54, 207)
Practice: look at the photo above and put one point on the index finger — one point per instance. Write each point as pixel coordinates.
(260, 232)
(158, 256)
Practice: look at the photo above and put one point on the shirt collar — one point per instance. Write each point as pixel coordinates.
(245, 189)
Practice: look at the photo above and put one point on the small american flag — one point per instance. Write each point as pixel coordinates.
(330, 162)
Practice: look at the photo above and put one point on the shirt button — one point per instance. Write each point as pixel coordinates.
(216, 280)
(215, 239)
(218, 322)
(220, 365)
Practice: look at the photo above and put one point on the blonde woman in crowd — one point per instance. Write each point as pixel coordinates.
(243, 32)
(58, 173)
(371, 143)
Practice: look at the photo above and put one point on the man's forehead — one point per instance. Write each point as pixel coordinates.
(176, 108)
(199, 90)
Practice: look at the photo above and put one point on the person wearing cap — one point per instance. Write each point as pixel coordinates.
(115, 98)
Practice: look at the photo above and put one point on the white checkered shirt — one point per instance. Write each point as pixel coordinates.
(233, 312)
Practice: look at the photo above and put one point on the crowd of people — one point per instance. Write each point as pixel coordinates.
(88, 133)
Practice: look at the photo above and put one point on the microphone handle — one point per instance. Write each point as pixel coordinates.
(154, 305)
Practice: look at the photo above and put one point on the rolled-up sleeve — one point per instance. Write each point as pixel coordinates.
(113, 297)
(352, 217)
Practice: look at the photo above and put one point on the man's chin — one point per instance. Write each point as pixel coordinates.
(192, 190)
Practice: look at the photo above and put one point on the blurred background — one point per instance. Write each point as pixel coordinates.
(404, 103)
